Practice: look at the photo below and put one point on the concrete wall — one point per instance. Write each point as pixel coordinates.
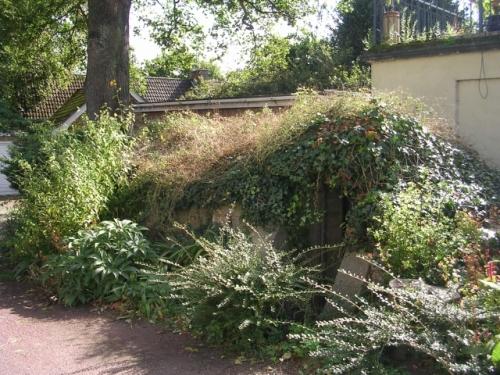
(5, 189)
(451, 85)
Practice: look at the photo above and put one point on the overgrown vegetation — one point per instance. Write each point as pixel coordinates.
(67, 179)
(242, 292)
(398, 318)
(283, 66)
(271, 164)
(420, 233)
(10, 121)
(417, 203)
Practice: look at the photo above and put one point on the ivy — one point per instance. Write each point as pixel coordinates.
(358, 145)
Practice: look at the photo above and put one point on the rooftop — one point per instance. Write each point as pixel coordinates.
(63, 101)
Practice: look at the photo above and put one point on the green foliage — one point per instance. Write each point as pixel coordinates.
(10, 120)
(282, 66)
(271, 165)
(178, 62)
(27, 152)
(400, 318)
(353, 29)
(138, 83)
(66, 179)
(419, 233)
(179, 24)
(41, 42)
(106, 263)
(495, 355)
(240, 292)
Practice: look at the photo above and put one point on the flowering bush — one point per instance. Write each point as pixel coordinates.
(395, 318)
(240, 292)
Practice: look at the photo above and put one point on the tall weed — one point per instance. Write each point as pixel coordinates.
(66, 180)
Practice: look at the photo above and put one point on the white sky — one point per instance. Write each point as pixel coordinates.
(146, 49)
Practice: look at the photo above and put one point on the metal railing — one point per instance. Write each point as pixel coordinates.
(418, 19)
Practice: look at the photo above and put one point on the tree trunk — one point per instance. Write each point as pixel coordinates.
(107, 83)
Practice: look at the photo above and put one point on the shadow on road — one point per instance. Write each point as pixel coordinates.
(37, 337)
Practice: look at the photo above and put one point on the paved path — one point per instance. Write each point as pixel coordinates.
(41, 339)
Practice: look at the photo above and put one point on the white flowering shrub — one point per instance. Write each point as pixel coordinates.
(242, 293)
(353, 342)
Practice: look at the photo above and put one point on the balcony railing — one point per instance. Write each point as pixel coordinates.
(398, 21)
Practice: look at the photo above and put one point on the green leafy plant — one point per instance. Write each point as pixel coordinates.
(66, 179)
(272, 164)
(242, 292)
(107, 263)
(419, 233)
(400, 318)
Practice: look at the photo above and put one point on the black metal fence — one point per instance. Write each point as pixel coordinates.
(419, 18)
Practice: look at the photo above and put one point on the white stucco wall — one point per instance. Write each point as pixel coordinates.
(457, 88)
(5, 188)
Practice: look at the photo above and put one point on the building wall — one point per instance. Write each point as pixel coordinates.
(464, 88)
(5, 189)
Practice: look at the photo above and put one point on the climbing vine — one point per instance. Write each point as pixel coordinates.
(359, 145)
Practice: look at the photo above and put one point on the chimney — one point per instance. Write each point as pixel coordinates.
(200, 74)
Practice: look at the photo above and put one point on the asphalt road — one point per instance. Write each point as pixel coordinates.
(40, 338)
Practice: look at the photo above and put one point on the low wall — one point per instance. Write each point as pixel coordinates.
(222, 107)
(460, 81)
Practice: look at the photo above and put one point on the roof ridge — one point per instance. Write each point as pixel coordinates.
(171, 78)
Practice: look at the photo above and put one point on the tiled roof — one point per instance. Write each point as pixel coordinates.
(162, 89)
(49, 106)
(159, 89)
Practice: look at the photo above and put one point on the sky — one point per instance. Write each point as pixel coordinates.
(145, 49)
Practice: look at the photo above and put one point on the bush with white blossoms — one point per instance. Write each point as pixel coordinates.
(386, 317)
(242, 292)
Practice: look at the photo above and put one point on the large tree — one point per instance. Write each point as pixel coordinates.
(173, 23)
(107, 81)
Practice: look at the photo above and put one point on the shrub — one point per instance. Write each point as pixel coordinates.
(10, 120)
(401, 318)
(66, 179)
(241, 293)
(271, 164)
(28, 152)
(108, 263)
(419, 232)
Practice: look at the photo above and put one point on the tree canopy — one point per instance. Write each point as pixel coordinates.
(40, 42)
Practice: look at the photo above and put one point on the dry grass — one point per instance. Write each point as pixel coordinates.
(187, 147)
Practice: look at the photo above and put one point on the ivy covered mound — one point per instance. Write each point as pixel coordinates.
(271, 164)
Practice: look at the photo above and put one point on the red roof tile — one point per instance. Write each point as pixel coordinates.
(49, 106)
(159, 89)
(162, 89)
